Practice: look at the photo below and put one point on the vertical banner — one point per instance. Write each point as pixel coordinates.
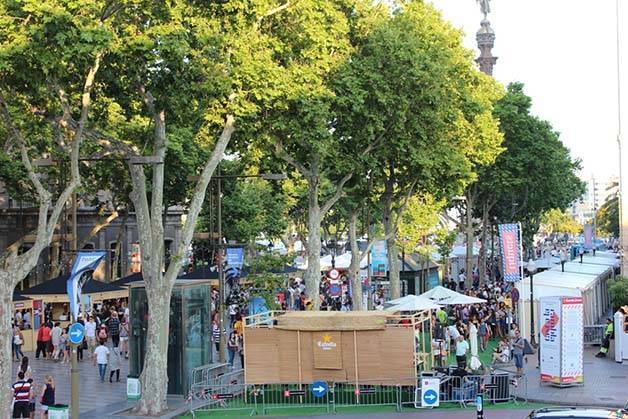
(511, 251)
(84, 265)
(572, 342)
(235, 257)
(588, 236)
(550, 339)
(379, 258)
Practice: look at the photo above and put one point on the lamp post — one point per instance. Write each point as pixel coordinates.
(531, 267)
(563, 259)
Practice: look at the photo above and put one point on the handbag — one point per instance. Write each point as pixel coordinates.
(527, 348)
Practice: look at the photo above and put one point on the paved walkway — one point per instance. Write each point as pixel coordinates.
(92, 393)
(435, 414)
(605, 384)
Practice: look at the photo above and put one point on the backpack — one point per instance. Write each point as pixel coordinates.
(102, 334)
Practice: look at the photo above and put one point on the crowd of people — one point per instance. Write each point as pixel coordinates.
(104, 325)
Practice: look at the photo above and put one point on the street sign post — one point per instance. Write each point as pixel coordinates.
(319, 388)
(77, 333)
(430, 392)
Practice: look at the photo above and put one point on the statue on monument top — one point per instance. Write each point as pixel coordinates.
(485, 7)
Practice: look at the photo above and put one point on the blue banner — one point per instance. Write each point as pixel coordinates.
(379, 258)
(235, 257)
(84, 265)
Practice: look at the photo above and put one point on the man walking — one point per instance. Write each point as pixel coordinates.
(518, 344)
(55, 335)
(462, 347)
(101, 354)
(22, 392)
(90, 335)
(113, 324)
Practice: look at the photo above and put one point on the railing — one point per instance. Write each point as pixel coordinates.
(229, 393)
(594, 334)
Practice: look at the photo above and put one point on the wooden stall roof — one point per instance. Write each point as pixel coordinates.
(331, 320)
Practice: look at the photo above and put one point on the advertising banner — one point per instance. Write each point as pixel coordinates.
(588, 236)
(550, 338)
(379, 258)
(572, 344)
(511, 251)
(327, 350)
(84, 265)
(235, 257)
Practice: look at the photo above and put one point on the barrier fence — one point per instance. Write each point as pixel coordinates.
(229, 393)
(594, 334)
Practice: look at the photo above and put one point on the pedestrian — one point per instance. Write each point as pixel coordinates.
(32, 401)
(101, 354)
(55, 335)
(518, 344)
(47, 395)
(43, 337)
(484, 333)
(90, 335)
(113, 326)
(232, 346)
(18, 340)
(238, 325)
(64, 342)
(124, 337)
(25, 368)
(115, 363)
(462, 278)
(216, 335)
(609, 334)
(22, 390)
(462, 346)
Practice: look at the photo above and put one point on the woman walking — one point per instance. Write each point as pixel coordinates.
(26, 369)
(64, 345)
(124, 338)
(232, 346)
(47, 395)
(18, 340)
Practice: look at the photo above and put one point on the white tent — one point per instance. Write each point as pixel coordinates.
(341, 262)
(579, 280)
(445, 296)
(411, 303)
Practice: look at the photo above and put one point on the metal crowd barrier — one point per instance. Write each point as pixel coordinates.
(594, 334)
(229, 393)
(206, 374)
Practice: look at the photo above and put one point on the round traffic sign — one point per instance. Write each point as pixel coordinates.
(334, 274)
(430, 397)
(319, 388)
(77, 333)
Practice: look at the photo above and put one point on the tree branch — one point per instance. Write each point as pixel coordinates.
(282, 154)
(275, 11)
(339, 194)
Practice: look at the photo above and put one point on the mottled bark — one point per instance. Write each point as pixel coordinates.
(154, 376)
(470, 235)
(483, 250)
(354, 267)
(390, 229)
(313, 272)
(6, 337)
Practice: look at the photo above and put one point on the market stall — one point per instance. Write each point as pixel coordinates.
(304, 346)
(30, 313)
(52, 301)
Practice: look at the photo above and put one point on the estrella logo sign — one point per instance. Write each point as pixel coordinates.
(550, 324)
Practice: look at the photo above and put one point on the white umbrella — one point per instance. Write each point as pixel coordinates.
(411, 303)
(443, 295)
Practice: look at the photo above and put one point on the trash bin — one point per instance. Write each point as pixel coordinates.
(133, 388)
(59, 411)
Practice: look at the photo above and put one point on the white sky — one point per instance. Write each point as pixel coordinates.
(564, 51)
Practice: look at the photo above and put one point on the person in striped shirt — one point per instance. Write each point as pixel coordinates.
(22, 391)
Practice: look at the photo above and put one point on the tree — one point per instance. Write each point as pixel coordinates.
(178, 76)
(412, 86)
(618, 291)
(45, 81)
(608, 217)
(534, 174)
(558, 221)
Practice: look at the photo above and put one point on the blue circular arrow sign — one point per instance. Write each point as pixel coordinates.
(430, 397)
(77, 332)
(319, 388)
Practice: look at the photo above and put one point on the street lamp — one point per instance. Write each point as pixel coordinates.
(563, 259)
(531, 268)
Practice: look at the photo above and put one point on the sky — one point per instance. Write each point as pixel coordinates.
(564, 51)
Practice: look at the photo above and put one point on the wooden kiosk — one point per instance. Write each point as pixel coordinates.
(358, 347)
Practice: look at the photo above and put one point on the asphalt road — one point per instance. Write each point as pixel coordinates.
(436, 414)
